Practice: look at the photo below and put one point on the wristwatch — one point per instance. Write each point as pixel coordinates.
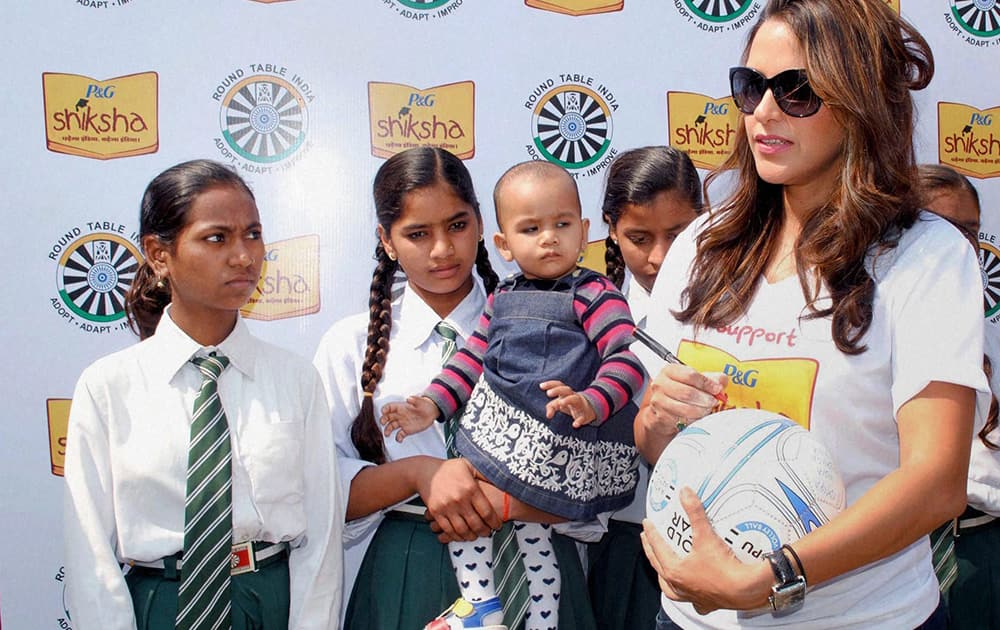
(789, 592)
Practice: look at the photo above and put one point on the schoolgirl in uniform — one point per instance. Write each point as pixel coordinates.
(429, 226)
(651, 194)
(202, 458)
(546, 382)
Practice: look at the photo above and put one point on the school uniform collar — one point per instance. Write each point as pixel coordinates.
(638, 300)
(171, 348)
(420, 318)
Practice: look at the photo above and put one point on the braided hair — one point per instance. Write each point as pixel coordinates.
(400, 175)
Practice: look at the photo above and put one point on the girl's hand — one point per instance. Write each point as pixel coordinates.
(455, 501)
(412, 416)
(568, 402)
(710, 576)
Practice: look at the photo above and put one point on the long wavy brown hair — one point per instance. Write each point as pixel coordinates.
(863, 60)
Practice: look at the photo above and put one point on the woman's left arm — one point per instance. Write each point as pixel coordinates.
(928, 488)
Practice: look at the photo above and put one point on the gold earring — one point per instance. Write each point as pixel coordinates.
(161, 284)
(391, 256)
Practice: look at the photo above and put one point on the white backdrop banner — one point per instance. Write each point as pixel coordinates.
(306, 98)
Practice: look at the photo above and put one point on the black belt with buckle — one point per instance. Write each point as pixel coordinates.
(246, 557)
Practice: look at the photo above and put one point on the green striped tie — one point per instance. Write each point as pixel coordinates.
(508, 569)
(204, 598)
(943, 555)
(450, 336)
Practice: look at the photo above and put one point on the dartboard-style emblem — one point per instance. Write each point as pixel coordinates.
(423, 4)
(989, 263)
(718, 10)
(264, 118)
(94, 274)
(572, 126)
(979, 17)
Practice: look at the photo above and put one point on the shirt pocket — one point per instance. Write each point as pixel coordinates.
(273, 456)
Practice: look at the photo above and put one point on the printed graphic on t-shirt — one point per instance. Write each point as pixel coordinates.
(784, 385)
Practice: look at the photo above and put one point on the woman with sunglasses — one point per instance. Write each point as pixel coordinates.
(858, 312)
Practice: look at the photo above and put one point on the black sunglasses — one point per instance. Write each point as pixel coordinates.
(790, 88)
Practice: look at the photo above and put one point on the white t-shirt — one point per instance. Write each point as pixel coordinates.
(926, 326)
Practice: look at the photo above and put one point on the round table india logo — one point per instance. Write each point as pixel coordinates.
(572, 126)
(989, 264)
(94, 273)
(718, 10)
(424, 4)
(264, 118)
(978, 17)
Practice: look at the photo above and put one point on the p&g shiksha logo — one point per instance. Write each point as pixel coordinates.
(571, 123)
(263, 117)
(101, 119)
(703, 126)
(975, 21)
(577, 7)
(715, 16)
(423, 10)
(94, 270)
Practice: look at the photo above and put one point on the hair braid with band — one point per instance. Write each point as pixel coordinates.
(614, 262)
(365, 432)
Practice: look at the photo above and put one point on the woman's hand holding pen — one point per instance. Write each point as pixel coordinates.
(676, 397)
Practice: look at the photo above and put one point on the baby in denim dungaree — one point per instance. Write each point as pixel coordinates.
(547, 381)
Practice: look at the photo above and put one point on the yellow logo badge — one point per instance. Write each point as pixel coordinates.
(783, 386)
(402, 117)
(593, 256)
(968, 139)
(106, 119)
(289, 282)
(58, 412)
(702, 126)
(577, 7)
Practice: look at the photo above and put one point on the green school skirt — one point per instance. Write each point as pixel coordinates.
(974, 598)
(406, 580)
(623, 586)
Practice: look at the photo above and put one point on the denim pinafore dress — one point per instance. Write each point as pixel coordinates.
(535, 336)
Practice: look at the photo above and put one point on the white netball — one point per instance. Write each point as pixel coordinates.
(764, 481)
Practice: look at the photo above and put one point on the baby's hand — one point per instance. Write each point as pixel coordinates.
(407, 418)
(568, 402)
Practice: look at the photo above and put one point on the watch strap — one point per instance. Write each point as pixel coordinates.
(781, 566)
(789, 591)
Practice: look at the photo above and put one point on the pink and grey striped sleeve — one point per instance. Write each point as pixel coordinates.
(604, 314)
(453, 386)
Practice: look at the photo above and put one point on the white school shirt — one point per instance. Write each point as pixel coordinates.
(984, 463)
(126, 467)
(638, 303)
(927, 326)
